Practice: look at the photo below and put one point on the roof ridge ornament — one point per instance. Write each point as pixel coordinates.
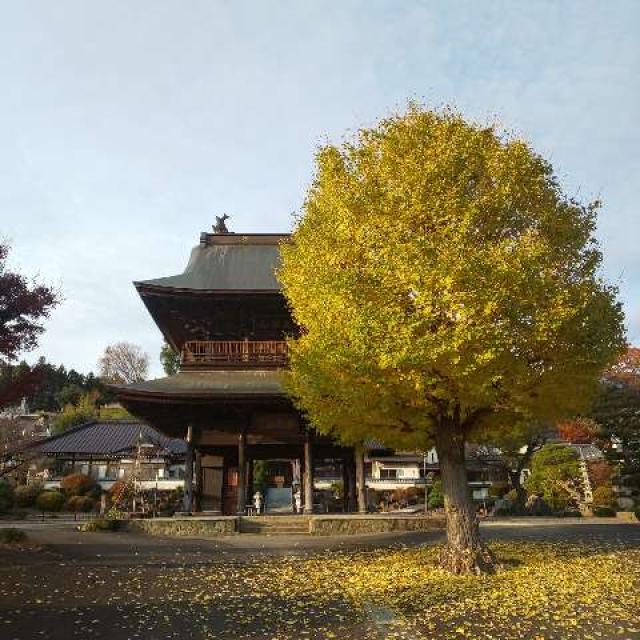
(220, 226)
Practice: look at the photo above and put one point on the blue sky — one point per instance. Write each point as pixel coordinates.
(126, 126)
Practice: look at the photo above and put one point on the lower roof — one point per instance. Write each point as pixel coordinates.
(210, 384)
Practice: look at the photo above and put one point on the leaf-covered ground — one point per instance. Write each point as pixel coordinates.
(545, 590)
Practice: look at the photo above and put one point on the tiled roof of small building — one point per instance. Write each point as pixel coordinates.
(109, 438)
(587, 451)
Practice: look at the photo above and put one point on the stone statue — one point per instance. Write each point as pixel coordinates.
(220, 226)
(257, 501)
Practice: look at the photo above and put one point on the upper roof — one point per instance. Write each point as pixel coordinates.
(228, 262)
(110, 438)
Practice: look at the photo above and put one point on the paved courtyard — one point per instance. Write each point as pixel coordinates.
(559, 580)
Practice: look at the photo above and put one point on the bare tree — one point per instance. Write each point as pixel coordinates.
(123, 363)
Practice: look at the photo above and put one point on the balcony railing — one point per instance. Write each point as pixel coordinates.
(234, 353)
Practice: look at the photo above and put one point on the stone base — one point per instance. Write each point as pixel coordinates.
(189, 526)
(198, 526)
(347, 525)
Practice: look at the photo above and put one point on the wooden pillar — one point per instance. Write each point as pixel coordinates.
(360, 479)
(242, 473)
(308, 474)
(249, 478)
(187, 503)
(349, 476)
(345, 484)
(197, 498)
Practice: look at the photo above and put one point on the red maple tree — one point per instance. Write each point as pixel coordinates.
(24, 305)
(578, 430)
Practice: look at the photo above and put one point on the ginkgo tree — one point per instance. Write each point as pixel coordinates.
(444, 284)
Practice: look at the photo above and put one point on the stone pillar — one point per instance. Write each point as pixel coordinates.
(187, 503)
(308, 474)
(242, 473)
(360, 479)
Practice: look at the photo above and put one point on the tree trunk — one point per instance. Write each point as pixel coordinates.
(521, 494)
(464, 552)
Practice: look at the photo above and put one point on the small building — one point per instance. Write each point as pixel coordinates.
(115, 450)
(389, 472)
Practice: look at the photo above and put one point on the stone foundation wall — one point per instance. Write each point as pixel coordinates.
(353, 525)
(188, 527)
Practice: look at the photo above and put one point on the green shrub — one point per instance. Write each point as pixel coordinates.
(101, 524)
(605, 496)
(604, 512)
(25, 495)
(50, 501)
(79, 504)
(6, 497)
(436, 497)
(77, 484)
(12, 536)
(552, 468)
(511, 496)
(499, 489)
(571, 513)
(502, 511)
(72, 415)
(637, 512)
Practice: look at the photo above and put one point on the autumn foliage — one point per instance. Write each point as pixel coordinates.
(23, 306)
(445, 285)
(578, 430)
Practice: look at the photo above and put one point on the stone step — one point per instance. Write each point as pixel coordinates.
(274, 526)
(267, 528)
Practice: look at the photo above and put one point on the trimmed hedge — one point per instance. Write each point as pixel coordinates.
(101, 524)
(604, 512)
(605, 496)
(6, 497)
(79, 504)
(50, 501)
(12, 536)
(26, 494)
(78, 484)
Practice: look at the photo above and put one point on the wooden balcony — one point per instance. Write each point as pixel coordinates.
(221, 354)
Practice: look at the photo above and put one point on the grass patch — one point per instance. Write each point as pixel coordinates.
(12, 536)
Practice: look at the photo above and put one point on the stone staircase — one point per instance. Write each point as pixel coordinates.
(275, 525)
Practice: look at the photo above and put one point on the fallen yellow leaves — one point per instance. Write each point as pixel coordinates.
(545, 591)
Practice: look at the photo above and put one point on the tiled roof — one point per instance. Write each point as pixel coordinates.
(231, 262)
(110, 438)
(212, 383)
(587, 451)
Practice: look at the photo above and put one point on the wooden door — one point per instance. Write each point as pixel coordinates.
(211, 499)
(230, 491)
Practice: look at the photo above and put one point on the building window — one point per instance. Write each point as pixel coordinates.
(388, 474)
